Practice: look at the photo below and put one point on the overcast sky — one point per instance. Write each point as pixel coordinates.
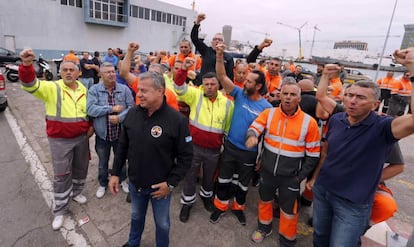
(364, 20)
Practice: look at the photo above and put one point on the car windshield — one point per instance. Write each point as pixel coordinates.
(6, 52)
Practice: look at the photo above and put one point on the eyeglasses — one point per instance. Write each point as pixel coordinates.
(218, 39)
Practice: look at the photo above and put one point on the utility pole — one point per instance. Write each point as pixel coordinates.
(299, 29)
(385, 42)
(315, 28)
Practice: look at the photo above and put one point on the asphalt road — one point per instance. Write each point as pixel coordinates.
(25, 217)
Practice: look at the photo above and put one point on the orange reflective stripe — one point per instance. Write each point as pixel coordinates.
(265, 212)
(383, 208)
(288, 224)
(236, 206)
(222, 205)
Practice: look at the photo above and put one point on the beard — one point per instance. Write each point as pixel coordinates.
(248, 91)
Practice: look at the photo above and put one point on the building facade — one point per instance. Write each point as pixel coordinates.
(227, 34)
(351, 44)
(53, 27)
(408, 39)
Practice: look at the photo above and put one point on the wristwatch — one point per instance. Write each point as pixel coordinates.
(412, 78)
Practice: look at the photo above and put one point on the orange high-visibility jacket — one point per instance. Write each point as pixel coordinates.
(291, 143)
(273, 82)
(385, 83)
(402, 87)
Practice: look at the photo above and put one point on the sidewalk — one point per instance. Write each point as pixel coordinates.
(109, 216)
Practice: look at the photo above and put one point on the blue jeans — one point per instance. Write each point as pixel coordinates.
(160, 209)
(87, 82)
(336, 220)
(103, 150)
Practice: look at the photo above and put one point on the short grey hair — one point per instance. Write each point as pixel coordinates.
(376, 91)
(288, 80)
(156, 78)
(106, 65)
(63, 62)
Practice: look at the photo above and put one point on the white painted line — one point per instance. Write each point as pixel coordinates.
(45, 184)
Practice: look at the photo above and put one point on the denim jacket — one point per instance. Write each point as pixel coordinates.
(98, 108)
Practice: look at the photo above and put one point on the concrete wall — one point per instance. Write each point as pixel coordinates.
(51, 28)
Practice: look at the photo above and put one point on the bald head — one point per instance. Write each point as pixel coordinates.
(306, 85)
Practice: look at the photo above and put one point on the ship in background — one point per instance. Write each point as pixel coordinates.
(355, 54)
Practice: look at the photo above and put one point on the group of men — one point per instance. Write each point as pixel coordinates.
(235, 132)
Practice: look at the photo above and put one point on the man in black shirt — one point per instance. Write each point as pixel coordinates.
(208, 53)
(156, 141)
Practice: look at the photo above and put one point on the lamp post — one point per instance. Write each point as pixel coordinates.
(299, 29)
(385, 42)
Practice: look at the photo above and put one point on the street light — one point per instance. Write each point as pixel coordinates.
(315, 28)
(385, 42)
(299, 30)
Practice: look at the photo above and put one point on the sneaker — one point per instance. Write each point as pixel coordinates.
(185, 212)
(216, 215)
(208, 203)
(57, 222)
(124, 186)
(100, 192)
(81, 199)
(258, 235)
(240, 216)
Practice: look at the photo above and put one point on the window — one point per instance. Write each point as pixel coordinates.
(180, 21)
(134, 12)
(72, 2)
(141, 12)
(64, 2)
(184, 21)
(169, 18)
(108, 12)
(98, 10)
(159, 14)
(164, 17)
(153, 15)
(174, 20)
(79, 3)
(146, 14)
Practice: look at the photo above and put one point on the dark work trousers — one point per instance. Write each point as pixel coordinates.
(234, 161)
(208, 158)
(70, 157)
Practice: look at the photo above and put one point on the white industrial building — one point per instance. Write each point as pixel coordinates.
(53, 27)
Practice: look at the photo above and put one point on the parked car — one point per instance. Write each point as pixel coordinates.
(3, 97)
(7, 56)
(307, 73)
(354, 75)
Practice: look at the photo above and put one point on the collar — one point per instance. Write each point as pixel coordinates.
(369, 120)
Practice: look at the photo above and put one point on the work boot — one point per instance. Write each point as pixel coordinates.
(216, 215)
(185, 212)
(240, 216)
(208, 203)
